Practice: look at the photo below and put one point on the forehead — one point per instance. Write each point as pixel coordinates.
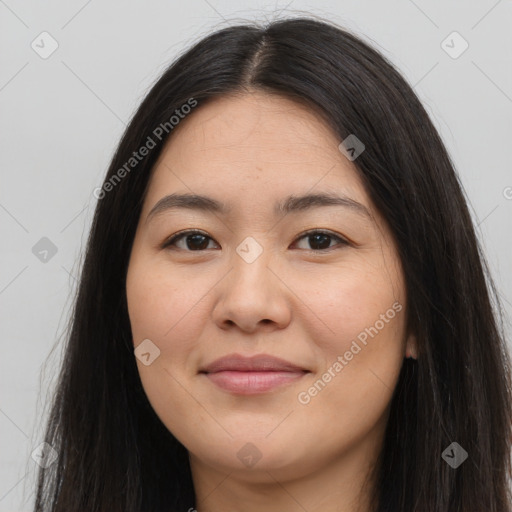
(253, 145)
(252, 124)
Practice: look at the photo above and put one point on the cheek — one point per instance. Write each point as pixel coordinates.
(360, 334)
(359, 301)
(169, 312)
(164, 306)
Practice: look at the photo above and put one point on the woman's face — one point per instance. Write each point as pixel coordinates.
(251, 283)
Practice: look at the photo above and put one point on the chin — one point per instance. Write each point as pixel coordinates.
(253, 457)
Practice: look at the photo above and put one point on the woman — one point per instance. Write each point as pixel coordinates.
(283, 305)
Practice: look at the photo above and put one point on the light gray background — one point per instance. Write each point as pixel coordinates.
(63, 116)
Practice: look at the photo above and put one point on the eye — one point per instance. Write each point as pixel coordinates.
(319, 240)
(194, 240)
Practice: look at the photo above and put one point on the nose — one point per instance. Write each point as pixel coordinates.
(252, 296)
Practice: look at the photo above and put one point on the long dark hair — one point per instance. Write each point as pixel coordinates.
(114, 452)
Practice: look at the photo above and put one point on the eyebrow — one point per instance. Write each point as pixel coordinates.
(291, 204)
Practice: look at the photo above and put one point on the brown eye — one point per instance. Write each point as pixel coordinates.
(321, 240)
(194, 240)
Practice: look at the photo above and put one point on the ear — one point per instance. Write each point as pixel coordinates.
(411, 347)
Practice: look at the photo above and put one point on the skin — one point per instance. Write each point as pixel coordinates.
(295, 301)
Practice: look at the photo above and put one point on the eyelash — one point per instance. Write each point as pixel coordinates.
(181, 234)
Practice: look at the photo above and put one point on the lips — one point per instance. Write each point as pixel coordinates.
(259, 363)
(252, 375)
